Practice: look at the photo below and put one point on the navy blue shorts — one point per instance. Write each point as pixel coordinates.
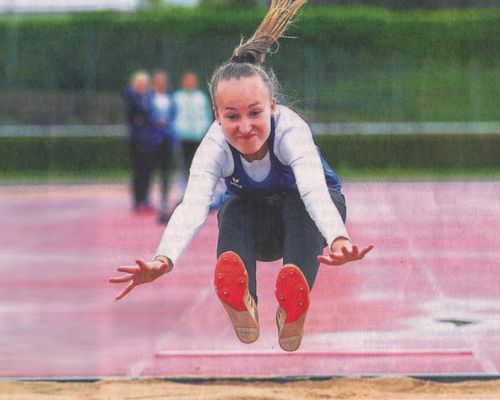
(273, 227)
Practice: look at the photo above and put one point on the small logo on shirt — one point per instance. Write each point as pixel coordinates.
(236, 182)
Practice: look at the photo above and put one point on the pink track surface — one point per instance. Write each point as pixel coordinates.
(436, 261)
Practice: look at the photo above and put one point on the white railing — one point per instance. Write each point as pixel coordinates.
(334, 128)
(63, 130)
(19, 6)
(377, 128)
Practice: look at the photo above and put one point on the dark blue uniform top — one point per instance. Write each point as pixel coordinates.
(280, 178)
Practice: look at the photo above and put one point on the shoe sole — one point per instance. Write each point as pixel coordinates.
(292, 293)
(231, 286)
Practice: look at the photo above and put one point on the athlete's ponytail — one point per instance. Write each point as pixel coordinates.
(247, 57)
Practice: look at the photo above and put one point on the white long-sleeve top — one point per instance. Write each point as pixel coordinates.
(293, 146)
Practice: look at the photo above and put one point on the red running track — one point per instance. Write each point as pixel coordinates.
(426, 300)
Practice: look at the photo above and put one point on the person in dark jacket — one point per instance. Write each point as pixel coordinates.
(138, 121)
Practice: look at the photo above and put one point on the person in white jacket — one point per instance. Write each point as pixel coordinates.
(284, 200)
(194, 115)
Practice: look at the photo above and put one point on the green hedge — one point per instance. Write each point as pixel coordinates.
(411, 151)
(343, 151)
(62, 153)
(97, 50)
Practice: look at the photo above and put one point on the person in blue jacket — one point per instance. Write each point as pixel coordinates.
(162, 139)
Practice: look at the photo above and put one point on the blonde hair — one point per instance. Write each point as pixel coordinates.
(139, 75)
(247, 57)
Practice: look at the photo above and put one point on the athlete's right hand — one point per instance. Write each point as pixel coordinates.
(144, 272)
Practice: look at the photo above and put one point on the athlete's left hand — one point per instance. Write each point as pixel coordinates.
(342, 251)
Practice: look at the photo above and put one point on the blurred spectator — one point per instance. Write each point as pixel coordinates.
(162, 137)
(137, 117)
(194, 115)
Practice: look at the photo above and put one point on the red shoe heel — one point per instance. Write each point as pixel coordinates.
(292, 293)
(231, 285)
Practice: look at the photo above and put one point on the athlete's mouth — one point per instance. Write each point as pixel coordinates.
(248, 137)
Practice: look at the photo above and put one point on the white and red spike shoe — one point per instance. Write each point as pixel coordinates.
(231, 285)
(292, 293)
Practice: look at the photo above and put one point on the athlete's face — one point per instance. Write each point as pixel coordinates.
(243, 108)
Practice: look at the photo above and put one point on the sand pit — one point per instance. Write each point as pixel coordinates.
(400, 388)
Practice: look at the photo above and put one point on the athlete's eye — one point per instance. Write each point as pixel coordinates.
(232, 116)
(255, 113)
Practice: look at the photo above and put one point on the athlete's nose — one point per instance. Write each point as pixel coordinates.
(245, 126)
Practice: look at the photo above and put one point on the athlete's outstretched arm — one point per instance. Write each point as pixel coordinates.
(187, 218)
(297, 148)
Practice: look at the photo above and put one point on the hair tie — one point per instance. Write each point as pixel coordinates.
(244, 58)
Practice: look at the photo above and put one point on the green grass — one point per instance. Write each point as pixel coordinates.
(432, 174)
(60, 176)
(347, 174)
